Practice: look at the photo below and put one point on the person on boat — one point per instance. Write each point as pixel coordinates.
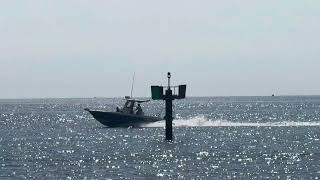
(139, 110)
(118, 109)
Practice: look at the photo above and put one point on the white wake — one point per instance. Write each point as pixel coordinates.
(201, 121)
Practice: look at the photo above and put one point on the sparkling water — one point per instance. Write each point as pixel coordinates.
(215, 138)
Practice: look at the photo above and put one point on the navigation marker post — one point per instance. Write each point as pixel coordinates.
(157, 94)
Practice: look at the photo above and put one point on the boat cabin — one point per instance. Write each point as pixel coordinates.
(132, 106)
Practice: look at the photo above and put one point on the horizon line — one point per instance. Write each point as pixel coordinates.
(118, 97)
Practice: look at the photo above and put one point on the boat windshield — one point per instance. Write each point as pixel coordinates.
(129, 104)
(131, 108)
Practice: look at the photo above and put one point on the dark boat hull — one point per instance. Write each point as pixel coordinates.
(116, 119)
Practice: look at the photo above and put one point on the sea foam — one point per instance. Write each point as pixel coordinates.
(201, 121)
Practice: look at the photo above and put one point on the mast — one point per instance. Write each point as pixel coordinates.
(132, 84)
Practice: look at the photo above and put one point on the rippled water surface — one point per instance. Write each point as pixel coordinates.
(215, 138)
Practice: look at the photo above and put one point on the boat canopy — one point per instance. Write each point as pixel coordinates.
(136, 100)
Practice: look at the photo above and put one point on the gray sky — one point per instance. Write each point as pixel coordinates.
(80, 48)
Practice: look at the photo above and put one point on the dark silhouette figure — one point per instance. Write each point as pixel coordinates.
(139, 110)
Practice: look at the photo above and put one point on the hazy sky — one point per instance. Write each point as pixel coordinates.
(77, 48)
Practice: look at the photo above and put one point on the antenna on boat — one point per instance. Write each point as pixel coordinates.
(134, 74)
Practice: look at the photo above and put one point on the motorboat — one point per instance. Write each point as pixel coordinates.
(130, 115)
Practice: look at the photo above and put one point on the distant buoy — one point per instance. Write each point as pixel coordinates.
(272, 95)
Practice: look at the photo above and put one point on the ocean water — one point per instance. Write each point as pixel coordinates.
(215, 138)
